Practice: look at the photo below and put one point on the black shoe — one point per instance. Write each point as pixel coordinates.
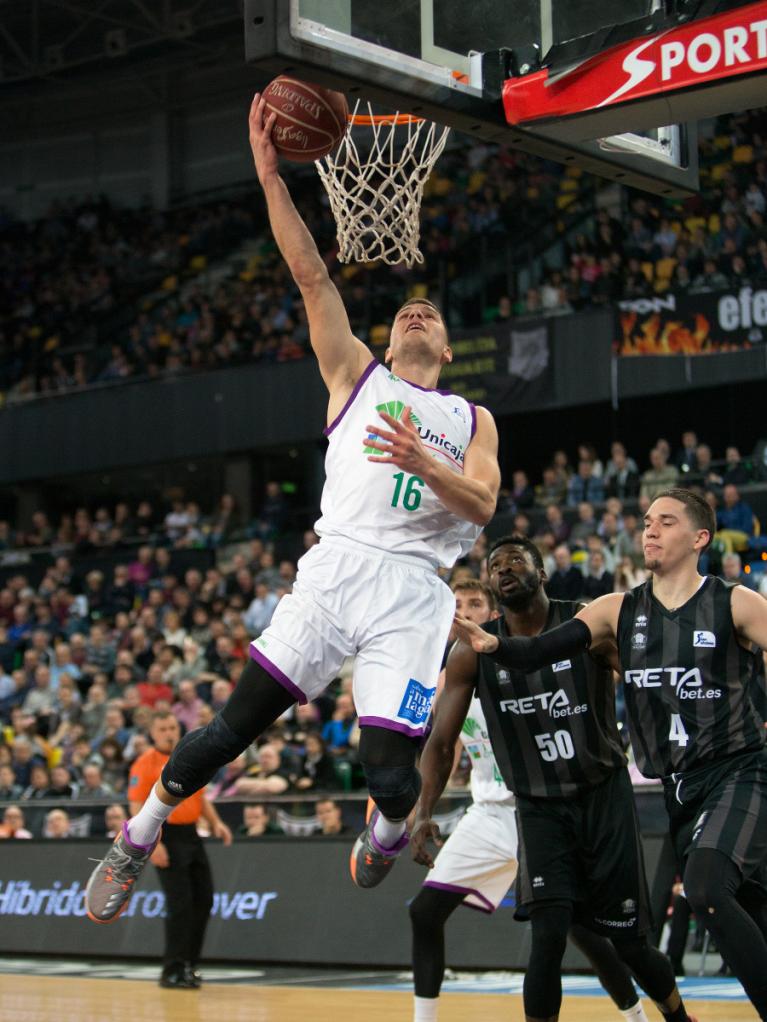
(192, 975)
(176, 979)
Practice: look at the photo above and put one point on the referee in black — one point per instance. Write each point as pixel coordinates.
(555, 739)
(180, 857)
(686, 644)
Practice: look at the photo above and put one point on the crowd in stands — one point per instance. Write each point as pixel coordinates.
(87, 656)
(716, 239)
(92, 293)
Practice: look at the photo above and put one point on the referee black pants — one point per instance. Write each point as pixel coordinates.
(188, 887)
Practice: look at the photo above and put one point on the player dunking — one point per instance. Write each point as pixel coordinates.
(412, 476)
(478, 863)
(685, 643)
(556, 742)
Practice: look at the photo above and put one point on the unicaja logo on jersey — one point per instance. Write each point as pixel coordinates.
(441, 442)
(395, 409)
(706, 640)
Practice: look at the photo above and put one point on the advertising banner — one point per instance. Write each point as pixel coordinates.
(507, 368)
(286, 900)
(692, 324)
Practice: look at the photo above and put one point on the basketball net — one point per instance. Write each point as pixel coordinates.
(375, 195)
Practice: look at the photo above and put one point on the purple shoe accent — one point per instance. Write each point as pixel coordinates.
(395, 848)
(135, 844)
(276, 673)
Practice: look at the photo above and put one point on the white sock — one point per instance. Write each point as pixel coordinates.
(635, 1014)
(388, 832)
(144, 827)
(425, 1009)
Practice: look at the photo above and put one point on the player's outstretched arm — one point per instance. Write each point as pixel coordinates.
(472, 495)
(341, 356)
(592, 627)
(438, 754)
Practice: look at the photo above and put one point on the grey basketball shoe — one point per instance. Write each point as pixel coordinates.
(112, 881)
(370, 862)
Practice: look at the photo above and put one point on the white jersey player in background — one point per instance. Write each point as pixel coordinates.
(412, 476)
(477, 864)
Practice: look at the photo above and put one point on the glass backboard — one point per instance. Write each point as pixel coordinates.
(446, 60)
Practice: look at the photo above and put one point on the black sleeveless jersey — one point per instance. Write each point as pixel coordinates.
(553, 731)
(758, 690)
(686, 680)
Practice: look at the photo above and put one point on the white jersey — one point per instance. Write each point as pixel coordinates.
(367, 502)
(486, 781)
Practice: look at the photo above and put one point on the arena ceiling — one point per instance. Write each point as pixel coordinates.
(66, 60)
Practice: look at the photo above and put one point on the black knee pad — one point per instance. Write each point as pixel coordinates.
(394, 790)
(199, 755)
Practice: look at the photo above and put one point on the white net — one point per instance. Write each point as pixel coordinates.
(375, 184)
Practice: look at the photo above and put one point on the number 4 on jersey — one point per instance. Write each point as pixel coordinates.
(677, 733)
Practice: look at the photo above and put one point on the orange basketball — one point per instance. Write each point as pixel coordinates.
(310, 120)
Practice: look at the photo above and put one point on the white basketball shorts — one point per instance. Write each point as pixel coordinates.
(479, 859)
(391, 613)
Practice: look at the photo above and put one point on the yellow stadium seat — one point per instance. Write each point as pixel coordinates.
(198, 263)
(720, 171)
(692, 223)
(722, 142)
(648, 269)
(664, 268)
(714, 223)
(743, 154)
(418, 291)
(379, 334)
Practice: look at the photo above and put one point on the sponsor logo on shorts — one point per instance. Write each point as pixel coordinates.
(616, 924)
(641, 621)
(416, 702)
(538, 882)
(503, 676)
(557, 704)
(628, 907)
(706, 640)
(561, 665)
(639, 640)
(174, 786)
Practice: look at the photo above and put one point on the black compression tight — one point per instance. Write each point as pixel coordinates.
(542, 989)
(711, 883)
(257, 701)
(429, 911)
(606, 963)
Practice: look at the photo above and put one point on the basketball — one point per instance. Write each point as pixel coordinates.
(310, 120)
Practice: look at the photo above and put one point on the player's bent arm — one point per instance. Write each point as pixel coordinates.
(749, 616)
(592, 627)
(438, 755)
(474, 494)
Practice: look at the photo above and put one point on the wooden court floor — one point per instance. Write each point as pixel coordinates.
(77, 999)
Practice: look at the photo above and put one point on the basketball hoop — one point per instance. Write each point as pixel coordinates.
(375, 195)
